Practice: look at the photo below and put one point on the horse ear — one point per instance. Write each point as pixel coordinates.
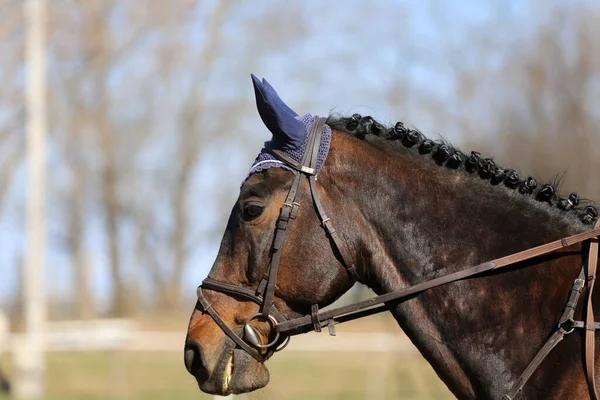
(288, 132)
(267, 86)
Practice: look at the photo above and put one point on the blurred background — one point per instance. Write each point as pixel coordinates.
(151, 126)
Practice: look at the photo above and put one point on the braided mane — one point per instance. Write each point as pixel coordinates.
(445, 155)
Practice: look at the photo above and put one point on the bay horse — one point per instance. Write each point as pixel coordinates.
(410, 215)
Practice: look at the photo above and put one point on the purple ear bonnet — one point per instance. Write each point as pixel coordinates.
(290, 131)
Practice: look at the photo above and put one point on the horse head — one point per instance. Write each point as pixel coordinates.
(309, 271)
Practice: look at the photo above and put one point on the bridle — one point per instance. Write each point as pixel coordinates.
(284, 329)
(264, 293)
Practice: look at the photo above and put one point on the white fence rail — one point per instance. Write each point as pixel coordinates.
(123, 335)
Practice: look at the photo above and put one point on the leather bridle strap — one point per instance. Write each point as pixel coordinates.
(207, 307)
(587, 274)
(357, 310)
(590, 329)
(550, 344)
(325, 220)
(288, 214)
(566, 319)
(236, 291)
(326, 223)
(265, 291)
(309, 168)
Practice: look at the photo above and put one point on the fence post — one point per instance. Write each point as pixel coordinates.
(4, 337)
(30, 371)
(4, 332)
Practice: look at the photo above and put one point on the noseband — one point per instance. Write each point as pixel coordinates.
(263, 295)
(284, 329)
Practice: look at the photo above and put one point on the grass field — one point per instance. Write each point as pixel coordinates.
(294, 375)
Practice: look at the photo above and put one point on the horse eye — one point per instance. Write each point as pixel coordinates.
(252, 211)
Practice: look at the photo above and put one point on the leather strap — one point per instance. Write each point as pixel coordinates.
(581, 325)
(574, 294)
(557, 336)
(314, 316)
(286, 216)
(282, 231)
(224, 287)
(234, 290)
(328, 226)
(590, 326)
(325, 220)
(207, 307)
(590, 330)
(356, 310)
(291, 163)
(535, 363)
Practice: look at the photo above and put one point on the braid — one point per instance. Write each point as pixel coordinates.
(443, 154)
(590, 214)
(455, 160)
(512, 180)
(472, 162)
(499, 175)
(411, 137)
(426, 146)
(528, 186)
(546, 193)
(486, 168)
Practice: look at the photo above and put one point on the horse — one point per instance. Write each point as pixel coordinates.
(407, 215)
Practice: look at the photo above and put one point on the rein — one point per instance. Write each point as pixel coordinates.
(284, 329)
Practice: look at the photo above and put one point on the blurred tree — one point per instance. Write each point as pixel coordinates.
(132, 117)
(11, 96)
(190, 149)
(136, 112)
(550, 122)
(12, 137)
(533, 103)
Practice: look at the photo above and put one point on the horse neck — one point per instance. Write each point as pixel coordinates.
(419, 221)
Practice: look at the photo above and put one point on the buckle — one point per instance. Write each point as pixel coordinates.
(314, 317)
(282, 224)
(326, 224)
(285, 211)
(331, 327)
(570, 330)
(308, 170)
(295, 210)
(568, 322)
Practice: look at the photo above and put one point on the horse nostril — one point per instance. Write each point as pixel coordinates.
(189, 359)
(195, 362)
